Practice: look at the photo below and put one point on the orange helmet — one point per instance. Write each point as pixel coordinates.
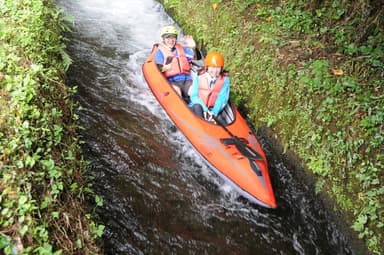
(214, 59)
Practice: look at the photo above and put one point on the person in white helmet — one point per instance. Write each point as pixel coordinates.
(174, 60)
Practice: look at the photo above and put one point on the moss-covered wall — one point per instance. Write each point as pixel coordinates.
(313, 72)
(42, 173)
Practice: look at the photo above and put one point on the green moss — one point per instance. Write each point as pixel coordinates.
(42, 181)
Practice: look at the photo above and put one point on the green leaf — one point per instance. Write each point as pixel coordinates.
(23, 230)
(98, 200)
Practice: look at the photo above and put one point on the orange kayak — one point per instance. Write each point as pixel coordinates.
(231, 149)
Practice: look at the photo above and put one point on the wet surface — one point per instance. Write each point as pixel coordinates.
(159, 195)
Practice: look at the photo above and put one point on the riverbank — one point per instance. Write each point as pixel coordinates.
(311, 72)
(44, 191)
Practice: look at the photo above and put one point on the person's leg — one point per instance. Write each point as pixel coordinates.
(198, 110)
(176, 87)
(184, 87)
(187, 88)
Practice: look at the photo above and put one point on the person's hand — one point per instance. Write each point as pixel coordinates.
(166, 68)
(208, 115)
(205, 115)
(189, 42)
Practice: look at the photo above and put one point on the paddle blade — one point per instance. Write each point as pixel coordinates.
(245, 150)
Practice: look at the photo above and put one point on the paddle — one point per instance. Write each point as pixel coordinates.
(239, 143)
(197, 63)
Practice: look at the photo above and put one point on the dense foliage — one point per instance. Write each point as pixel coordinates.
(42, 184)
(313, 71)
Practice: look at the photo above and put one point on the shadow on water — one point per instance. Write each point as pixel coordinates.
(159, 196)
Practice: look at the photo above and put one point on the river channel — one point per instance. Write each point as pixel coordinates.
(159, 196)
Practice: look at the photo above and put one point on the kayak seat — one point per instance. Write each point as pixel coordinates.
(226, 116)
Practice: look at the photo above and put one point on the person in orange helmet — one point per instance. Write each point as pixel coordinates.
(210, 89)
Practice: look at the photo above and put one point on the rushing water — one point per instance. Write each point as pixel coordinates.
(159, 196)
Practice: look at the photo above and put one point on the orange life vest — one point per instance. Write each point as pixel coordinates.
(179, 64)
(209, 95)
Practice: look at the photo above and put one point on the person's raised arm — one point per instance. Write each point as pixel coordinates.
(189, 42)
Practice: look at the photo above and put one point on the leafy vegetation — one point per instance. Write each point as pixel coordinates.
(42, 183)
(313, 71)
